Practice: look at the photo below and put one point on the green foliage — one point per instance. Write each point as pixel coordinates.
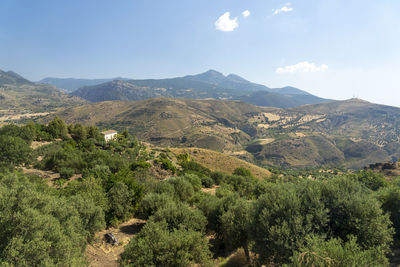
(183, 189)
(390, 199)
(152, 202)
(194, 167)
(140, 165)
(242, 172)
(37, 228)
(66, 172)
(235, 225)
(335, 252)
(166, 164)
(370, 179)
(155, 245)
(180, 216)
(57, 128)
(282, 220)
(14, 150)
(339, 207)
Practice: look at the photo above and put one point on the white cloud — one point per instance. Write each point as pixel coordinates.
(304, 66)
(246, 13)
(286, 8)
(225, 23)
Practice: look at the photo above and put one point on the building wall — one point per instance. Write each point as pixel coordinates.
(108, 137)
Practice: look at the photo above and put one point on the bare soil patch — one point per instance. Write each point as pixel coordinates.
(102, 254)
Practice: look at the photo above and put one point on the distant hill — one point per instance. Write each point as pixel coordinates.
(351, 134)
(213, 124)
(71, 84)
(211, 84)
(18, 94)
(267, 98)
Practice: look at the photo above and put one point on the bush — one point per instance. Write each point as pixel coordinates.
(183, 189)
(37, 227)
(335, 253)
(207, 181)
(166, 164)
(155, 245)
(140, 165)
(180, 216)
(242, 172)
(14, 150)
(66, 173)
(152, 202)
(218, 177)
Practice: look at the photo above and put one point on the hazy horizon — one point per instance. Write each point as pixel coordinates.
(332, 49)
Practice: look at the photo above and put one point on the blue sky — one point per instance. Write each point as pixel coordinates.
(332, 48)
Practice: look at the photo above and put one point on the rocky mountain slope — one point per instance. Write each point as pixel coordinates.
(210, 84)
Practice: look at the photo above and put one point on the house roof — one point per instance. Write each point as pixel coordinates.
(109, 132)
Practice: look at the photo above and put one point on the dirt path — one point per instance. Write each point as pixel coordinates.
(101, 254)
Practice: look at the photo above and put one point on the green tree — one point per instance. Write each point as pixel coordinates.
(155, 245)
(57, 128)
(178, 215)
(37, 228)
(14, 150)
(335, 253)
(236, 223)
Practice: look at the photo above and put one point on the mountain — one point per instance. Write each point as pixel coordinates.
(210, 84)
(11, 77)
(144, 89)
(264, 98)
(19, 95)
(349, 134)
(71, 84)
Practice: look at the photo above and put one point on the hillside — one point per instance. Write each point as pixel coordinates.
(18, 95)
(349, 134)
(217, 161)
(363, 132)
(210, 84)
(213, 124)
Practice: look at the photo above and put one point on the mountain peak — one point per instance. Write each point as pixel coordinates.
(210, 76)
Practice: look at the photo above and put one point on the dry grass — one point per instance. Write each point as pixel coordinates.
(217, 161)
(100, 253)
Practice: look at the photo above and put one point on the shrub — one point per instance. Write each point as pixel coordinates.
(152, 202)
(166, 164)
(335, 252)
(66, 173)
(242, 172)
(155, 245)
(180, 216)
(140, 165)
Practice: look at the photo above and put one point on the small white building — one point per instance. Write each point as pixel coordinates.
(109, 135)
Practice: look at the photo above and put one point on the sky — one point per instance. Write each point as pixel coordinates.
(335, 49)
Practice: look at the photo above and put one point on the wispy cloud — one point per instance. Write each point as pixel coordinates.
(304, 66)
(225, 23)
(286, 8)
(246, 13)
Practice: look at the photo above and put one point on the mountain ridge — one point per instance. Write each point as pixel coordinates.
(210, 84)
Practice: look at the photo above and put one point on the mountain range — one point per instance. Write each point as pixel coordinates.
(214, 111)
(210, 84)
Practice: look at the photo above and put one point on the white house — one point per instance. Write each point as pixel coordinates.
(108, 135)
